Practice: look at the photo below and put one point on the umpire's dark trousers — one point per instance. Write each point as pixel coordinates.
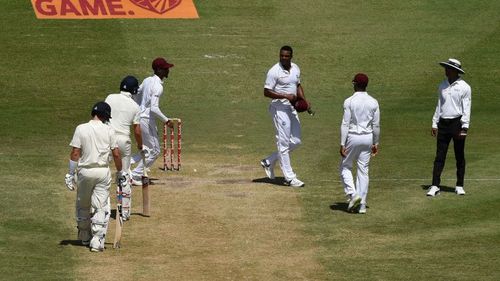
(449, 129)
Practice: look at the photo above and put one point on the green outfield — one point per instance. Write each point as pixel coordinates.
(218, 218)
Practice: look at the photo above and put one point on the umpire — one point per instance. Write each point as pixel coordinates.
(451, 121)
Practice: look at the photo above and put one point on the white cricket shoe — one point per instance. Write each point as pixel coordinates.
(295, 182)
(354, 202)
(362, 209)
(459, 190)
(136, 181)
(433, 191)
(268, 169)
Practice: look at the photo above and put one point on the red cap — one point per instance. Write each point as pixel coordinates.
(361, 79)
(161, 63)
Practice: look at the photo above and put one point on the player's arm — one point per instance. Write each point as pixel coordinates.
(74, 156)
(344, 129)
(274, 95)
(117, 159)
(138, 135)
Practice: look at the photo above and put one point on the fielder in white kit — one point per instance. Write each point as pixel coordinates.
(359, 138)
(150, 92)
(125, 113)
(89, 159)
(283, 87)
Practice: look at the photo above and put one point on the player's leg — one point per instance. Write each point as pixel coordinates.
(85, 185)
(125, 146)
(295, 131)
(282, 125)
(362, 173)
(345, 167)
(101, 209)
(149, 139)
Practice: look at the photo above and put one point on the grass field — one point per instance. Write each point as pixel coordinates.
(219, 219)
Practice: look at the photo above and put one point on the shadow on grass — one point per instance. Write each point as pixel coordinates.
(443, 188)
(72, 243)
(339, 206)
(277, 181)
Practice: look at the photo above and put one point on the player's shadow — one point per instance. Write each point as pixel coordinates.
(77, 243)
(443, 188)
(339, 206)
(277, 181)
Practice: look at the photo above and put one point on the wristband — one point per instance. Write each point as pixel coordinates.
(72, 166)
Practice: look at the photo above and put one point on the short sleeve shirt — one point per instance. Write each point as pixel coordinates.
(95, 140)
(283, 81)
(124, 112)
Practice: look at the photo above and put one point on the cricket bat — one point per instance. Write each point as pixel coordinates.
(145, 190)
(119, 218)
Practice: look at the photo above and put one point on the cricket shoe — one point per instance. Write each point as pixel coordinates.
(136, 180)
(459, 190)
(362, 209)
(433, 191)
(354, 202)
(268, 169)
(295, 182)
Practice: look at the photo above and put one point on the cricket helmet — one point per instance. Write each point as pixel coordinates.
(129, 84)
(102, 109)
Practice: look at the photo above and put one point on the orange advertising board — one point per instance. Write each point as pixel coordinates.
(113, 9)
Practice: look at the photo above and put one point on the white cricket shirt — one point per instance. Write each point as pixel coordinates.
(151, 90)
(283, 81)
(454, 101)
(96, 140)
(361, 117)
(124, 112)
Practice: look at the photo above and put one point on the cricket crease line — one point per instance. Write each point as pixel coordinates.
(417, 180)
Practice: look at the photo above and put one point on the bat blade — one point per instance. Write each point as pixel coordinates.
(119, 226)
(145, 196)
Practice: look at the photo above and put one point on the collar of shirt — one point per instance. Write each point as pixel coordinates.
(127, 94)
(157, 79)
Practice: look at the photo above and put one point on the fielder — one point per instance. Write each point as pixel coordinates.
(451, 121)
(89, 159)
(125, 113)
(283, 87)
(359, 138)
(150, 92)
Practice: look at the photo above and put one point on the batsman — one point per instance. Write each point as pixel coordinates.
(126, 113)
(89, 167)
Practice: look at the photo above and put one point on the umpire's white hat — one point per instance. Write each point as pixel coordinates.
(453, 63)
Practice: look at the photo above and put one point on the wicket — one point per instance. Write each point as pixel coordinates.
(168, 145)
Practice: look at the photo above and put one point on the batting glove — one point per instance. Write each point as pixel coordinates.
(70, 181)
(145, 151)
(122, 178)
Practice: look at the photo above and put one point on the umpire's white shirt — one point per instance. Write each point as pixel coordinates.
(454, 101)
(124, 112)
(96, 140)
(361, 117)
(151, 90)
(283, 81)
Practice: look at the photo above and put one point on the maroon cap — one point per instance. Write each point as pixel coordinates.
(360, 79)
(161, 63)
(301, 105)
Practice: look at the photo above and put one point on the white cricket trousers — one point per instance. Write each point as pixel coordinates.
(287, 127)
(150, 139)
(359, 150)
(125, 147)
(92, 204)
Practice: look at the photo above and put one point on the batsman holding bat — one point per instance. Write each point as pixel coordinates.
(283, 87)
(125, 113)
(89, 160)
